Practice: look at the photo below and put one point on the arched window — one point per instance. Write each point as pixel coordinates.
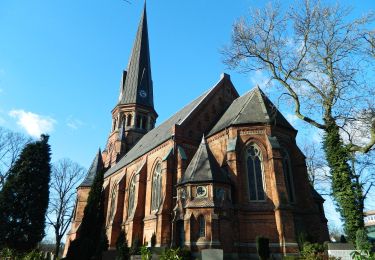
(114, 124)
(123, 119)
(144, 121)
(254, 172)
(288, 175)
(156, 188)
(131, 200)
(138, 123)
(113, 203)
(202, 226)
(129, 120)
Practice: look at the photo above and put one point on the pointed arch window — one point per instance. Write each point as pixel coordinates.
(113, 203)
(129, 120)
(131, 200)
(123, 121)
(202, 226)
(254, 165)
(288, 176)
(156, 187)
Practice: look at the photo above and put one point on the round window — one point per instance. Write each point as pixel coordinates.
(201, 191)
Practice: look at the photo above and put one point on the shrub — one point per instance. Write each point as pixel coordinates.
(361, 240)
(145, 253)
(343, 239)
(136, 247)
(313, 251)
(263, 247)
(171, 254)
(122, 247)
(34, 255)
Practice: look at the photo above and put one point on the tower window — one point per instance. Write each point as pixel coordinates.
(114, 124)
(129, 120)
(138, 124)
(123, 119)
(202, 226)
(156, 188)
(255, 172)
(287, 170)
(144, 120)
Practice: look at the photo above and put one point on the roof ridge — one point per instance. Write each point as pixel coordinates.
(262, 101)
(196, 161)
(203, 98)
(252, 91)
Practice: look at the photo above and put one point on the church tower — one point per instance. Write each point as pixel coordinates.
(134, 115)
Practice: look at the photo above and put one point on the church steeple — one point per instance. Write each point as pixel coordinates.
(134, 114)
(137, 81)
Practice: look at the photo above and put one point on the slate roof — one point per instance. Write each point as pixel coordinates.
(138, 78)
(203, 167)
(200, 203)
(315, 194)
(161, 133)
(96, 166)
(253, 107)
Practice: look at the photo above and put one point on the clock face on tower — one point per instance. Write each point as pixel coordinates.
(142, 93)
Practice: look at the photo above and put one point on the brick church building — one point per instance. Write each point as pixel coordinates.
(217, 174)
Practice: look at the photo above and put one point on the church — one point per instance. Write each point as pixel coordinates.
(220, 172)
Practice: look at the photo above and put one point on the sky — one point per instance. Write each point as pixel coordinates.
(61, 64)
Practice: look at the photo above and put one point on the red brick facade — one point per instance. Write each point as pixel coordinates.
(237, 221)
(145, 187)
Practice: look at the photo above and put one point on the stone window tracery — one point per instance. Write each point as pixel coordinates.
(287, 170)
(156, 187)
(254, 166)
(131, 200)
(113, 203)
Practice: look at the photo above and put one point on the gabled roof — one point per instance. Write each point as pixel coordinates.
(203, 167)
(163, 132)
(253, 107)
(96, 166)
(137, 81)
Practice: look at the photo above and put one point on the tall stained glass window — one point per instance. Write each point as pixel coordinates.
(131, 196)
(255, 172)
(156, 187)
(113, 203)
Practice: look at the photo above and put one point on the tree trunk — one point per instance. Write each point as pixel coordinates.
(57, 247)
(346, 191)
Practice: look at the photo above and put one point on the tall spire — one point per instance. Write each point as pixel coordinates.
(137, 81)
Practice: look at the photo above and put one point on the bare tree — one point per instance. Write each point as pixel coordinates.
(11, 145)
(316, 54)
(317, 168)
(66, 175)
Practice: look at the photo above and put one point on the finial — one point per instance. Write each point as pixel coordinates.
(203, 140)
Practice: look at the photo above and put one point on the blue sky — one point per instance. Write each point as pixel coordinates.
(61, 63)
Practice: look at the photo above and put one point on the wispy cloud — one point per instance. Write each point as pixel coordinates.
(259, 78)
(292, 118)
(32, 123)
(74, 123)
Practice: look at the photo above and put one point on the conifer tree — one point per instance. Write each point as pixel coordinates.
(90, 233)
(24, 198)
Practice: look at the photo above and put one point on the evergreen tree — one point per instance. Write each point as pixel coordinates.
(24, 198)
(90, 233)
